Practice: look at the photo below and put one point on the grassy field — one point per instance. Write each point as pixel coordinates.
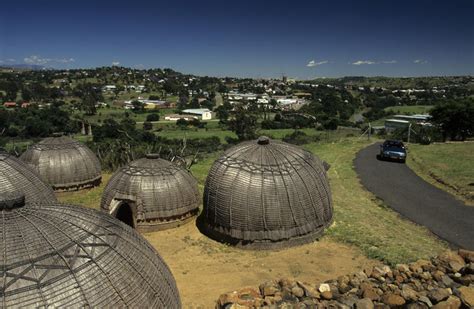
(412, 109)
(448, 166)
(360, 219)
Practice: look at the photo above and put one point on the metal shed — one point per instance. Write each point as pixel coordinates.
(64, 163)
(151, 194)
(15, 175)
(56, 255)
(266, 194)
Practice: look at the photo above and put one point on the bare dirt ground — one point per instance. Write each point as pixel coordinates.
(204, 269)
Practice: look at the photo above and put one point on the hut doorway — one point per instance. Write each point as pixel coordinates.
(125, 214)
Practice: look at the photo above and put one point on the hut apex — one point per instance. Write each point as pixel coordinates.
(64, 256)
(266, 194)
(15, 175)
(151, 194)
(64, 163)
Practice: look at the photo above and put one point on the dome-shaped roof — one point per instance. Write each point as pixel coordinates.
(266, 194)
(160, 194)
(15, 175)
(56, 255)
(64, 163)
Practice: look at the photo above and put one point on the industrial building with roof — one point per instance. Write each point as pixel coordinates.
(266, 194)
(152, 194)
(64, 163)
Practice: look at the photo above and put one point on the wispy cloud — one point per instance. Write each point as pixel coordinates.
(420, 61)
(361, 62)
(313, 63)
(34, 59)
(11, 60)
(389, 61)
(115, 63)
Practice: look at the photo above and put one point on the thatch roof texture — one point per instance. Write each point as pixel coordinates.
(162, 194)
(266, 194)
(15, 175)
(64, 163)
(56, 255)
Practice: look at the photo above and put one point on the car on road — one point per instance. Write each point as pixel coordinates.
(393, 150)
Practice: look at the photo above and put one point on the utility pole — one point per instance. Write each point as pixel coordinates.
(369, 131)
(409, 131)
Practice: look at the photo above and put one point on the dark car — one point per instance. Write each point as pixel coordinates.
(393, 150)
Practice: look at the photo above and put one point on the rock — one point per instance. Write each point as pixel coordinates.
(467, 255)
(466, 280)
(447, 281)
(326, 295)
(417, 305)
(297, 291)
(393, 300)
(348, 300)
(371, 294)
(309, 290)
(344, 288)
(243, 297)
(467, 295)
(324, 287)
(408, 293)
(469, 269)
(364, 303)
(438, 295)
(425, 300)
(451, 303)
(403, 268)
(237, 306)
(269, 288)
(453, 260)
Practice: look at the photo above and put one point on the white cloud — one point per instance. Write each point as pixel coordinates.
(420, 61)
(313, 63)
(34, 59)
(115, 63)
(389, 61)
(360, 62)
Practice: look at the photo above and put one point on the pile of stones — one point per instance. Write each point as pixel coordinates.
(446, 281)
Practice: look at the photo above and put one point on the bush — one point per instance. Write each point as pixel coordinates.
(153, 117)
(299, 138)
(147, 126)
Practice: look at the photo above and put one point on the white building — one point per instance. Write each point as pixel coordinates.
(204, 113)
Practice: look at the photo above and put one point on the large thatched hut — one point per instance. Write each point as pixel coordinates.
(266, 194)
(15, 175)
(151, 194)
(64, 163)
(56, 255)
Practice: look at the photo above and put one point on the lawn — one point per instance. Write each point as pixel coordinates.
(448, 166)
(409, 109)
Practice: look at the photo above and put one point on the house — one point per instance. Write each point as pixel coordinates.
(175, 117)
(204, 113)
(9, 104)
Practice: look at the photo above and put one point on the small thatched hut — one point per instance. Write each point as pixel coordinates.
(64, 163)
(56, 255)
(15, 175)
(151, 194)
(266, 194)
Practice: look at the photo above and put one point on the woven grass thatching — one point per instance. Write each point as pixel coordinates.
(64, 163)
(158, 193)
(15, 175)
(266, 194)
(56, 255)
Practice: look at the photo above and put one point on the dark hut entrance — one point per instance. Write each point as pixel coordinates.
(125, 214)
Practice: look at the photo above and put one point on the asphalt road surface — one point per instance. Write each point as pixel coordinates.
(402, 190)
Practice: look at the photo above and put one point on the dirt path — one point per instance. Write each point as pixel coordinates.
(414, 198)
(204, 269)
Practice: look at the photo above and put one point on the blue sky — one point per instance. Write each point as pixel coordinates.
(302, 39)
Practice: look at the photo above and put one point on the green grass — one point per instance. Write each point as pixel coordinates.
(409, 109)
(446, 165)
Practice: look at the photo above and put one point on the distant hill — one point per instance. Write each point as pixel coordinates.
(33, 67)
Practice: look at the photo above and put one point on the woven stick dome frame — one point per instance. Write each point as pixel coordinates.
(56, 255)
(266, 194)
(16, 175)
(161, 194)
(64, 163)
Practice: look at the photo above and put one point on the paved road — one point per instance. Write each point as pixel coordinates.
(414, 198)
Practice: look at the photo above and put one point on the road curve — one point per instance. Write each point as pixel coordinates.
(404, 191)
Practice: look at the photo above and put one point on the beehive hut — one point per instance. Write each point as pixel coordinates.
(56, 255)
(64, 163)
(15, 175)
(151, 194)
(266, 194)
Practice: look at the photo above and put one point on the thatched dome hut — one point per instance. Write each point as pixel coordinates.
(56, 255)
(151, 194)
(266, 194)
(64, 163)
(15, 175)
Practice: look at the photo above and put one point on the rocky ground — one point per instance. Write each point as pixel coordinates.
(446, 281)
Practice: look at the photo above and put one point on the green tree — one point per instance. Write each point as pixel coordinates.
(455, 119)
(244, 124)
